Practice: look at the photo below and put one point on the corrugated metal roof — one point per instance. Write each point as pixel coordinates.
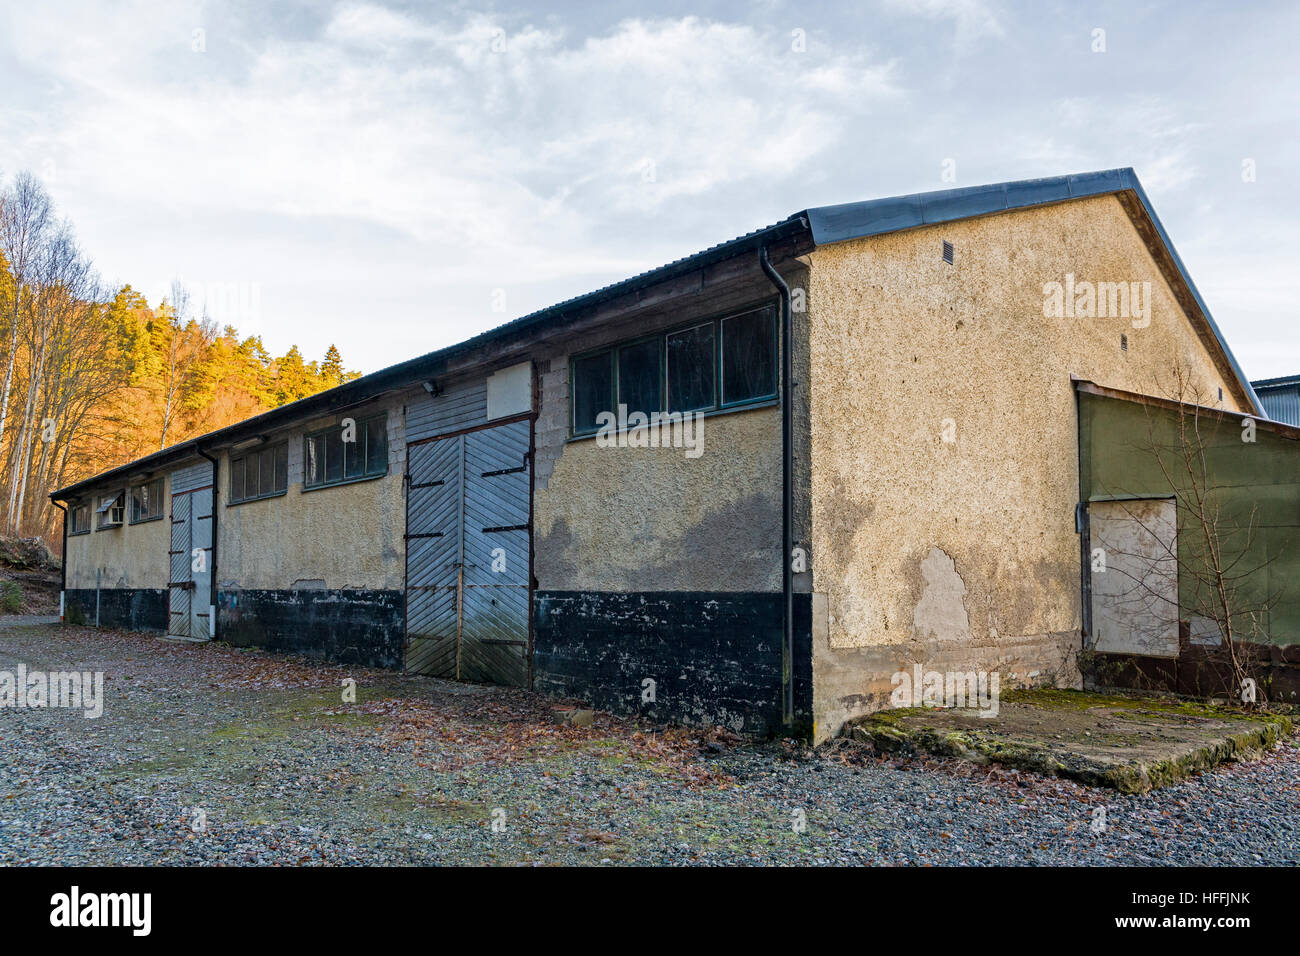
(823, 225)
(1275, 382)
(1281, 398)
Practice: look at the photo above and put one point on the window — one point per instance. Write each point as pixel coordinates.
(748, 357)
(721, 363)
(111, 510)
(79, 519)
(593, 390)
(692, 369)
(640, 377)
(335, 456)
(146, 501)
(260, 473)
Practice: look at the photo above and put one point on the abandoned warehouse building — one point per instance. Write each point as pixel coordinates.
(884, 434)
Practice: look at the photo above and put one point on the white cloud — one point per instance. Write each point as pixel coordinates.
(973, 19)
(379, 171)
(422, 128)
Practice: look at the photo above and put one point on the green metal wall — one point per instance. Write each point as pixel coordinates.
(1256, 487)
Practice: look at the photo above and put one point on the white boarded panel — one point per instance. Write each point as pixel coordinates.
(1134, 577)
(510, 391)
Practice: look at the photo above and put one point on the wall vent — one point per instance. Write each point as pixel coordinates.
(947, 252)
(1123, 342)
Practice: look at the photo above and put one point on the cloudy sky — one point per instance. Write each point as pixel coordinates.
(395, 177)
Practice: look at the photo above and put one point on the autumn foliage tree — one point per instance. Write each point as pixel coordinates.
(92, 378)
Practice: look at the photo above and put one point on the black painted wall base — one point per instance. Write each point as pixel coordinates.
(714, 657)
(365, 628)
(127, 609)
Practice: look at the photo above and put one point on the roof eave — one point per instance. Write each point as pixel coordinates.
(413, 371)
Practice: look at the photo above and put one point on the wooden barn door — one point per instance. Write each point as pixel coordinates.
(180, 586)
(468, 546)
(190, 557)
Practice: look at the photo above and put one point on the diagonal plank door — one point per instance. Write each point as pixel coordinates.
(494, 602)
(180, 587)
(468, 548)
(434, 556)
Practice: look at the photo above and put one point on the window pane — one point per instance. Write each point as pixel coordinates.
(266, 471)
(137, 503)
(237, 479)
(314, 466)
(639, 380)
(377, 447)
(282, 468)
(592, 384)
(354, 453)
(749, 356)
(691, 369)
(334, 455)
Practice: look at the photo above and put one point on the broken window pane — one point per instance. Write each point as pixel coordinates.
(749, 356)
(639, 377)
(146, 500)
(593, 382)
(314, 466)
(691, 369)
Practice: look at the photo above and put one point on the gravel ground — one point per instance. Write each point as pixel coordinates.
(211, 755)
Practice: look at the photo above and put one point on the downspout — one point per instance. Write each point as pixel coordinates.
(787, 493)
(63, 561)
(212, 569)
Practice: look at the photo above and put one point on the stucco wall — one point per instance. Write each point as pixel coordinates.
(925, 548)
(347, 536)
(653, 519)
(130, 556)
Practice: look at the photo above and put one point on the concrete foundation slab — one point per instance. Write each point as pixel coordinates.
(1129, 743)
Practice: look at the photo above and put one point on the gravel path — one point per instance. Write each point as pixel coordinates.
(210, 755)
(27, 620)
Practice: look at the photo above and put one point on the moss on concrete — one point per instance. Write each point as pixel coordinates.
(1127, 742)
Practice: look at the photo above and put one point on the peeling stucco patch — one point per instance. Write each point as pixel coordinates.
(941, 612)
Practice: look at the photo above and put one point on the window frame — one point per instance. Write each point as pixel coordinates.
(366, 473)
(715, 325)
(716, 320)
(612, 352)
(776, 359)
(242, 458)
(72, 510)
(103, 515)
(662, 339)
(132, 518)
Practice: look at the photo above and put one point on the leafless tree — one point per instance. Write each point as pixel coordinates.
(25, 216)
(1213, 563)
